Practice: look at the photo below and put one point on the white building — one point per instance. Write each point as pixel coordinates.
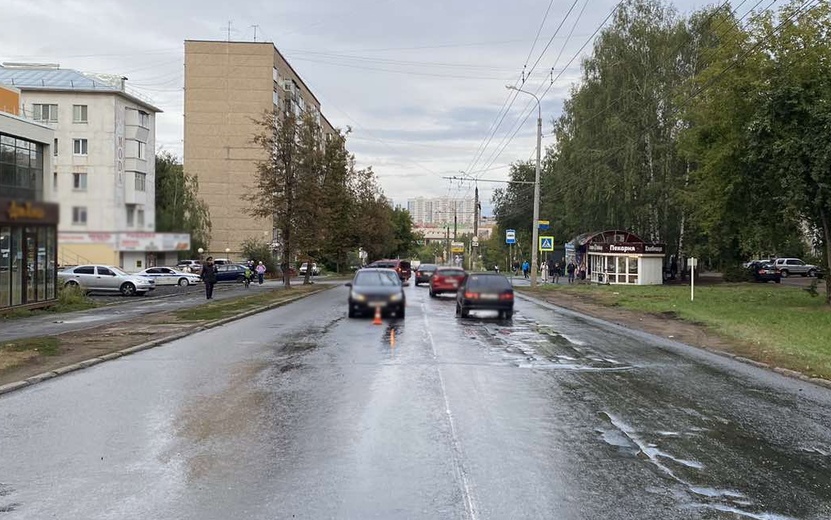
(441, 210)
(103, 172)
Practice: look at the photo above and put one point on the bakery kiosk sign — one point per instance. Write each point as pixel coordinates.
(633, 248)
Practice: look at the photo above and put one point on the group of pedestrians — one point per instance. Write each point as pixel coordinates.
(552, 271)
(209, 271)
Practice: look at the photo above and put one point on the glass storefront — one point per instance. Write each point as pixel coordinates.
(21, 168)
(614, 269)
(28, 252)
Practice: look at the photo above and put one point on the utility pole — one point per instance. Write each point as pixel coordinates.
(446, 243)
(474, 249)
(455, 218)
(255, 26)
(229, 30)
(535, 230)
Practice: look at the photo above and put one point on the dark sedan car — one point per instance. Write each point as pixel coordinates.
(486, 291)
(765, 272)
(445, 280)
(424, 272)
(376, 289)
(230, 273)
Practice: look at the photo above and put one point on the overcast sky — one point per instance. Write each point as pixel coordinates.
(420, 83)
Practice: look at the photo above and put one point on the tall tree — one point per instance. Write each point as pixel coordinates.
(178, 208)
(789, 134)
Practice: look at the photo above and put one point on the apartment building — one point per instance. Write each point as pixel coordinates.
(229, 85)
(442, 210)
(28, 225)
(102, 166)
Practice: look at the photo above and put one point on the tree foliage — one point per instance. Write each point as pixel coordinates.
(178, 208)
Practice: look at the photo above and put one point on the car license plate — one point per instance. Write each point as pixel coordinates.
(454, 283)
(489, 296)
(377, 304)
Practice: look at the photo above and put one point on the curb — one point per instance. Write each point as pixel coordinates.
(45, 376)
(793, 374)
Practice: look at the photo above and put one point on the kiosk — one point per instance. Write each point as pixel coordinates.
(619, 257)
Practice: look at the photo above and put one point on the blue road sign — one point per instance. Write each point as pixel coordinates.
(510, 236)
(546, 243)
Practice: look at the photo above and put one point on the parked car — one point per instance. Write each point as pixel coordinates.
(189, 266)
(402, 267)
(222, 261)
(230, 273)
(305, 267)
(490, 291)
(105, 278)
(765, 272)
(446, 279)
(789, 266)
(170, 276)
(424, 272)
(373, 288)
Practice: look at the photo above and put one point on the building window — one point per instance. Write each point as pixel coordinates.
(140, 218)
(79, 181)
(55, 181)
(144, 119)
(21, 168)
(45, 113)
(141, 150)
(79, 215)
(79, 146)
(79, 113)
(141, 181)
(131, 216)
(55, 148)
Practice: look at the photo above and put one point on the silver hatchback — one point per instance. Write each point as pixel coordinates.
(105, 278)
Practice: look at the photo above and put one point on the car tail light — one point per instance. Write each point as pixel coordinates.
(506, 296)
(472, 295)
(761, 271)
(437, 278)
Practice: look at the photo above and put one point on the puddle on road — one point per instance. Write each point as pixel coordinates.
(682, 472)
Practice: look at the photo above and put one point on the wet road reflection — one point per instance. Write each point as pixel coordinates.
(301, 412)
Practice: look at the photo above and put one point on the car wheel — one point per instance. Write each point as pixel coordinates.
(128, 289)
(458, 309)
(432, 293)
(464, 312)
(507, 314)
(71, 283)
(784, 273)
(778, 280)
(812, 273)
(240, 279)
(351, 312)
(183, 282)
(401, 311)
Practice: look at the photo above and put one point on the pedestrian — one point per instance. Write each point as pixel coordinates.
(544, 271)
(554, 271)
(526, 268)
(582, 272)
(249, 275)
(208, 276)
(570, 268)
(260, 272)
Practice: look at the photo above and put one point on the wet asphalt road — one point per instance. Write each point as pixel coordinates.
(301, 413)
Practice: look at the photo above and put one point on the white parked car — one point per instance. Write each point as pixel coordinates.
(170, 276)
(789, 266)
(305, 267)
(105, 278)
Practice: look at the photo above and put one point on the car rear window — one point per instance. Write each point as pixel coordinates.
(427, 267)
(451, 272)
(404, 265)
(488, 282)
(386, 278)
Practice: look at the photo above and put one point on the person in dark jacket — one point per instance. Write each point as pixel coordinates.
(209, 277)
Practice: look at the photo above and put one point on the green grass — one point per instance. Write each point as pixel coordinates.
(226, 308)
(784, 326)
(47, 346)
(70, 299)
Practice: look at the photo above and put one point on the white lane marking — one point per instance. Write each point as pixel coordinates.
(457, 450)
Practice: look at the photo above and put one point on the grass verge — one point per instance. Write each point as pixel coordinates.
(779, 325)
(225, 308)
(70, 299)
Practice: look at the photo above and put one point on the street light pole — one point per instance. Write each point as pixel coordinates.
(535, 231)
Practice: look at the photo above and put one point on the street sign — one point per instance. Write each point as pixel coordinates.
(474, 241)
(543, 224)
(510, 236)
(457, 247)
(546, 243)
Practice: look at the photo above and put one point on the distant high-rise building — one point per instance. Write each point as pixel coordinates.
(441, 210)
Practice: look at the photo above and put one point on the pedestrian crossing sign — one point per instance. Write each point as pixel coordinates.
(546, 243)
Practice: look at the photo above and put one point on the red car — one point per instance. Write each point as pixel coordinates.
(446, 279)
(402, 267)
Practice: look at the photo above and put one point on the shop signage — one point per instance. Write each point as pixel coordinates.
(28, 212)
(628, 248)
(457, 247)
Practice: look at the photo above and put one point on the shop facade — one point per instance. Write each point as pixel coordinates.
(28, 253)
(618, 257)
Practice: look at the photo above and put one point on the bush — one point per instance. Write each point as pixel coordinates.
(70, 295)
(261, 252)
(737, 273)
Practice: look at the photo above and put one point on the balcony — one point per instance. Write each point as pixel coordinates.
(132, 164)
(131, 194)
